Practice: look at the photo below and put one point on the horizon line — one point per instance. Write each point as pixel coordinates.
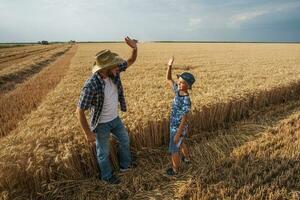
(156, 41)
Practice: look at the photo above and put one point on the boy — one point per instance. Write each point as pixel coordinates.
(178, 121)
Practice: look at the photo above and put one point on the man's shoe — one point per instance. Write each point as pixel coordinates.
(125, 169)
(132, 166)
(113, 180)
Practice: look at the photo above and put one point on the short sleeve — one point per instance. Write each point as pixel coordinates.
(86, 98)
(123, 66)
(186, 107)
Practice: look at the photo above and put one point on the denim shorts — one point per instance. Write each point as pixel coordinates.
(174, 148)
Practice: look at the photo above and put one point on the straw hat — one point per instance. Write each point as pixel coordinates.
(106, 59)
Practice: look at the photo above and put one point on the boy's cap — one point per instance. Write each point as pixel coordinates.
(188, 78)
(106, 59)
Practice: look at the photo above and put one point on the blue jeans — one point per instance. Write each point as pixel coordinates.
(118, 130)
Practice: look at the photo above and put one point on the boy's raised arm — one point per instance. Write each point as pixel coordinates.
(169, 72)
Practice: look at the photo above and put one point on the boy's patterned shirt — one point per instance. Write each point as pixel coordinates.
(180, 106)
(92, 95)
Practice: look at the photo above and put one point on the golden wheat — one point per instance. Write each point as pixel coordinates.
(48, 145)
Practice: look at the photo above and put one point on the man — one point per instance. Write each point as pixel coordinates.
(101, 93)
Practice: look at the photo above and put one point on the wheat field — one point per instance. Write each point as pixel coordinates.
(46, 157)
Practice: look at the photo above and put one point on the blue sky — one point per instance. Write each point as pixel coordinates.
(148, 20)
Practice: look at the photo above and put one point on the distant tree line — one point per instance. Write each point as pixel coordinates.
(45, 42)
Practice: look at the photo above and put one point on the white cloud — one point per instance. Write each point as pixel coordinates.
(240, 18)
(194, 23)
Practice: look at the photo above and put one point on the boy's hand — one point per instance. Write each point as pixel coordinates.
(171, 60)
(131, 42)
(176, 138)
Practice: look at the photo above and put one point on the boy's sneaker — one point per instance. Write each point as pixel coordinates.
(113, 180)
(171, 172)
(185, 160)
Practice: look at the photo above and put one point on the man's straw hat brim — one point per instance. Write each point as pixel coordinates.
(106, 60)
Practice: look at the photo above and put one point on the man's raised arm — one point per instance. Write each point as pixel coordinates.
(133, 44)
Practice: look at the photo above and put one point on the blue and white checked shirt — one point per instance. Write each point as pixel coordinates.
(92, 95)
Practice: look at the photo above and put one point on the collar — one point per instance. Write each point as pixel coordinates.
(181, 93)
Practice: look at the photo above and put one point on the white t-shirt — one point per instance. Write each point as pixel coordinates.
(110, 105)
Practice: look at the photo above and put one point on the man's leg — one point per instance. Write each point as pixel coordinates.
(120, 133)
(102, 148)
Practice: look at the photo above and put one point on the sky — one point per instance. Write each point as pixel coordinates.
(150, 20)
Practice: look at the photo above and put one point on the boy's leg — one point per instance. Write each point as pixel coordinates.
(174, 150)
(102, 149)
(121, 134)
(185, 151)
(175, 161)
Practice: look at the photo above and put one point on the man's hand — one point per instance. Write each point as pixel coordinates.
(90, 137)
(176, 138)
(131, 42)
(171, 60)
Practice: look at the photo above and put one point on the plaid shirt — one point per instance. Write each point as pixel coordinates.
(92, 95)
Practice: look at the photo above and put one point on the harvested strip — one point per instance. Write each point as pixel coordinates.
(11, 65)
(209, 149)
(266, 168)
(18, 55)
(25, 48)
(17, 74)
(14, 105)
(10, 60)
(8, 46)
